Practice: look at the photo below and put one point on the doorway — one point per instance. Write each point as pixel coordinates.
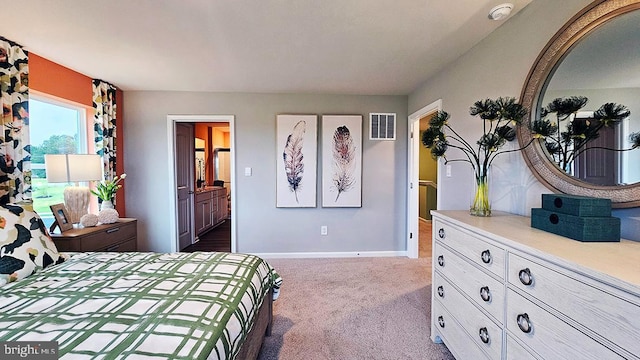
(197, 121)
(413, 194)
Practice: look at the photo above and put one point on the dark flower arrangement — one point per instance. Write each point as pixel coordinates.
(564, 145)
(500, 118)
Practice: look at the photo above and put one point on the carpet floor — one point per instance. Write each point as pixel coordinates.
(353, 308)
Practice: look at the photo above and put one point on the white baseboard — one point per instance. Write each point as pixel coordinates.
(304, 255)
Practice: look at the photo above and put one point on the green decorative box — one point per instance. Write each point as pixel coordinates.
(576, 205)
(588, 229)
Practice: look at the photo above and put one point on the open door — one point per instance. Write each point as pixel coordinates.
(413, 168)
(185, 163)
(180, 221)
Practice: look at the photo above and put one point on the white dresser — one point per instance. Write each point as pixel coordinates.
(504, 290)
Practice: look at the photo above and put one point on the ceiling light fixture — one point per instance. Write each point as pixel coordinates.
(501, 11)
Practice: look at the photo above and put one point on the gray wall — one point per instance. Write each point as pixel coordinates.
(261, 227)
(498, 66)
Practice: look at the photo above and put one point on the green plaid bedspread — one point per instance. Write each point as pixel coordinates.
(140, 305)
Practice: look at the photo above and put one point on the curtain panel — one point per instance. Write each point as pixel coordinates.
(15, 148)
(104, 104)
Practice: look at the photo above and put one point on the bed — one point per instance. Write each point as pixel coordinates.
(131, 305)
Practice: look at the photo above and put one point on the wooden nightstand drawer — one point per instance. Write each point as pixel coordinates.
(108, 236)
(126, 246)
(120, 236)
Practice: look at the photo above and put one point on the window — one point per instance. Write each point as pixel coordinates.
(56, 127)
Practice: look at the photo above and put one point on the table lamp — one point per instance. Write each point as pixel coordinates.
(67, 168)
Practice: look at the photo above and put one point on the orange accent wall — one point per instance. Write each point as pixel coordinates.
(54, 79)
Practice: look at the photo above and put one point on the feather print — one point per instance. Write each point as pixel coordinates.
(344, 153)
(293, 159)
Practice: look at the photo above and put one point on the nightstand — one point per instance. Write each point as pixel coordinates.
(120, 236)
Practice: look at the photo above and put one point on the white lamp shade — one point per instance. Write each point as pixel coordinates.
(73, 167)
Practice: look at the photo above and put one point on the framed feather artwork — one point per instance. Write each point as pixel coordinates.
(297, 149)
(341, 161)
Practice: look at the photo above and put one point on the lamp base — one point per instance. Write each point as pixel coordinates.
(76, 200)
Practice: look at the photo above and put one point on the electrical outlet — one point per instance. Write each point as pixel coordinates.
(448, 170)
(323, 230)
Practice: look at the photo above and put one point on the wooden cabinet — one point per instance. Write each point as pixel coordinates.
(120, 236)
(504, 290)
(222, 205)
(203, 211)
(210, 208)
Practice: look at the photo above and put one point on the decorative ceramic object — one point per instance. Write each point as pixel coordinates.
(108, 216)
(106, 204)
(89, 220)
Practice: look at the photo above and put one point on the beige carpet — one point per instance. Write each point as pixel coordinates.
(357, 308)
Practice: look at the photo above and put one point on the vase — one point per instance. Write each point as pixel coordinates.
(481, 202)
(106, 204)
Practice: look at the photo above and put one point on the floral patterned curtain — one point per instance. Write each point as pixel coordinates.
(15, 151)
(104, 104)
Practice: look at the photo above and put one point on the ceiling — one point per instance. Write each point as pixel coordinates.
(367, 47)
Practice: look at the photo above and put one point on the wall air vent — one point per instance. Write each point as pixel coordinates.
(383, 126)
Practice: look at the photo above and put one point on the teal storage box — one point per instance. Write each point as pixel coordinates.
(576, 205)
(587, 229)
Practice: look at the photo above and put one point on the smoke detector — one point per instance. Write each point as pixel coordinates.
(501, 11)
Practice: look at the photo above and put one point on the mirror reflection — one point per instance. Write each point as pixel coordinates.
(602, 68)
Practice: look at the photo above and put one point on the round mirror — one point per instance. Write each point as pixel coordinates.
(596, 55)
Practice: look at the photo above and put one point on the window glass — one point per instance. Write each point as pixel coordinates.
(55, 128)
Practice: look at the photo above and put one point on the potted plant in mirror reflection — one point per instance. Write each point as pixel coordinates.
(500, 118)
(564, 144)
(106, 190)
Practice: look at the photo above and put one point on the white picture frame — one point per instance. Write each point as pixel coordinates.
(297, 160)
(342, 161)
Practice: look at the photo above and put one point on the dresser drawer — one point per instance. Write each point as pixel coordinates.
(454, 335)
(485, 291)
(110, 236)
(551, 337)
(488, 256)
(484, 332)
(573, 297)
(516, 351)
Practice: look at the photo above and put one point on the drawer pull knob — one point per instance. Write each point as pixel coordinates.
(485, 294)
(524, 323)
(441, 233)
(484, 335)
(525, 276)
(112, 248)
(109, 231)
(440, 291)
(441, 260)
(486, 256)
(441, 321)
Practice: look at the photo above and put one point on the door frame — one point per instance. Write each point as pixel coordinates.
(413, 170)
(171, 134)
